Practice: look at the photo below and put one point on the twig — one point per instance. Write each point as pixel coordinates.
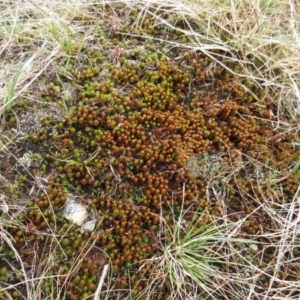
(99, 288)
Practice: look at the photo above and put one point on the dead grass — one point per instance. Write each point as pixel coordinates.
(261, 36)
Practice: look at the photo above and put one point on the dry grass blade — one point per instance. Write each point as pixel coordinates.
(255, 40)
(101, 281)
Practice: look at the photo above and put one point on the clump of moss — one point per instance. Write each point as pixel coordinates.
(131, 128)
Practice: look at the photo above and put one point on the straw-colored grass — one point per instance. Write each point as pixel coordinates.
(37, 39)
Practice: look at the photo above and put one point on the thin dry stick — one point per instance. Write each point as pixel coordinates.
(101, 281)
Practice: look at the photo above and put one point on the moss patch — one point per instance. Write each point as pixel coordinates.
(140, 124)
